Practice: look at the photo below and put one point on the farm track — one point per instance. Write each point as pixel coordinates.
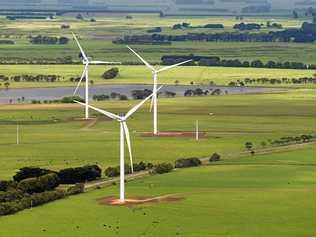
(105, 183)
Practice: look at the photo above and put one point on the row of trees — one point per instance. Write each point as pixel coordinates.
(274, 81)
(249, 26)
(44, 61)
(64, 100)
(7, 42)
(207, 61)
(39, 39)
(306, 34)
(305, 138)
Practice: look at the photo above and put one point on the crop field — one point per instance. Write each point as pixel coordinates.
(97, 37)
(265, 190)
(53, 136)
(233, 199)
(185, 75)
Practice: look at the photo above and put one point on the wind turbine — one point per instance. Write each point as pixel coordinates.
(123, 131)
(155, 72)
(86, 61)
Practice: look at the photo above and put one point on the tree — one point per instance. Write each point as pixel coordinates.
(295, 14)
(215, 157)
(111, 73)
(249, 146)
(30, 172)
(79, 17)
(162, 168)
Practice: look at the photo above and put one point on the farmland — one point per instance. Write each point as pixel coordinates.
(260, 186)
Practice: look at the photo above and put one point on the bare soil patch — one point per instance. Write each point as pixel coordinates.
(138, 200)
(175, 134)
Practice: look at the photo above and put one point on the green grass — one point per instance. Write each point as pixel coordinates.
(51, 136)
(97, 37)
(141, 75)
(222, 200)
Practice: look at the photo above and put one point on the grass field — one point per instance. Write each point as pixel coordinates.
(141, 75)
(222, 200)
(238, 119)
(97, 37)
(240, 196)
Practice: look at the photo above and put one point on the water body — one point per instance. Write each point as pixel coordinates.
(30, 94)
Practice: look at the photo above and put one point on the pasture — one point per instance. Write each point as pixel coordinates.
(270, 193)
(233, 199)
(185, 75)
(53, 136)
(97, 36)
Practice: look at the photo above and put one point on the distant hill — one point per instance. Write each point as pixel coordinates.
(166, 6)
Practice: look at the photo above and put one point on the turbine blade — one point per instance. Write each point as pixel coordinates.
(151, 104)
(103, 62)
(106, 113)
(143, 60)
(173, 66)
(82, 76)
(81, 50)
(134, 109)
(128, 141)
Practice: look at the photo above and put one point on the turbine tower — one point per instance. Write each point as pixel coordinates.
(123, 132)
(155, 72)
(86, 61)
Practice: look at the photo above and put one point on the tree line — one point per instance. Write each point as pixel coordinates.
(40, 39)
(217, 61)
(305, 34)
(34, 186)
(273, 81)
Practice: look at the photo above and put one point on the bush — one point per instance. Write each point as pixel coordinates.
(141, 166)
(162, 168)
(30, 172)
(70, 99)
(40, 184)
(6, 185)
(76, 189)
(112, 172)
(190, 162)
(111, 74)
(36, 199)
(11, 195)
(80, 174)
(215, 157)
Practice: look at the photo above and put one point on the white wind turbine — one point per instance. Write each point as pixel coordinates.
(155, 72)
(123, 131)
(86, 61)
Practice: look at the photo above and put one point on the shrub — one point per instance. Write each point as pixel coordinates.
(190, 162)
(40, 184)
(6, 185)
(215, 157)
(76, 189)
(30, 172)
(111, 74)
(36, 199)
(11, 195)
(162, 168)
(123, 97)
(112, 172)
(70, 99)
(139, 167)
(79, 174)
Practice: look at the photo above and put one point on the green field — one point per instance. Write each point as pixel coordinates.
(97, 37)
(222, 200)
(271, 193)
(238, 119)
(141, 75)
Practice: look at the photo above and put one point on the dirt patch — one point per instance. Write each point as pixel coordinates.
(202, 135)
(138, 200)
